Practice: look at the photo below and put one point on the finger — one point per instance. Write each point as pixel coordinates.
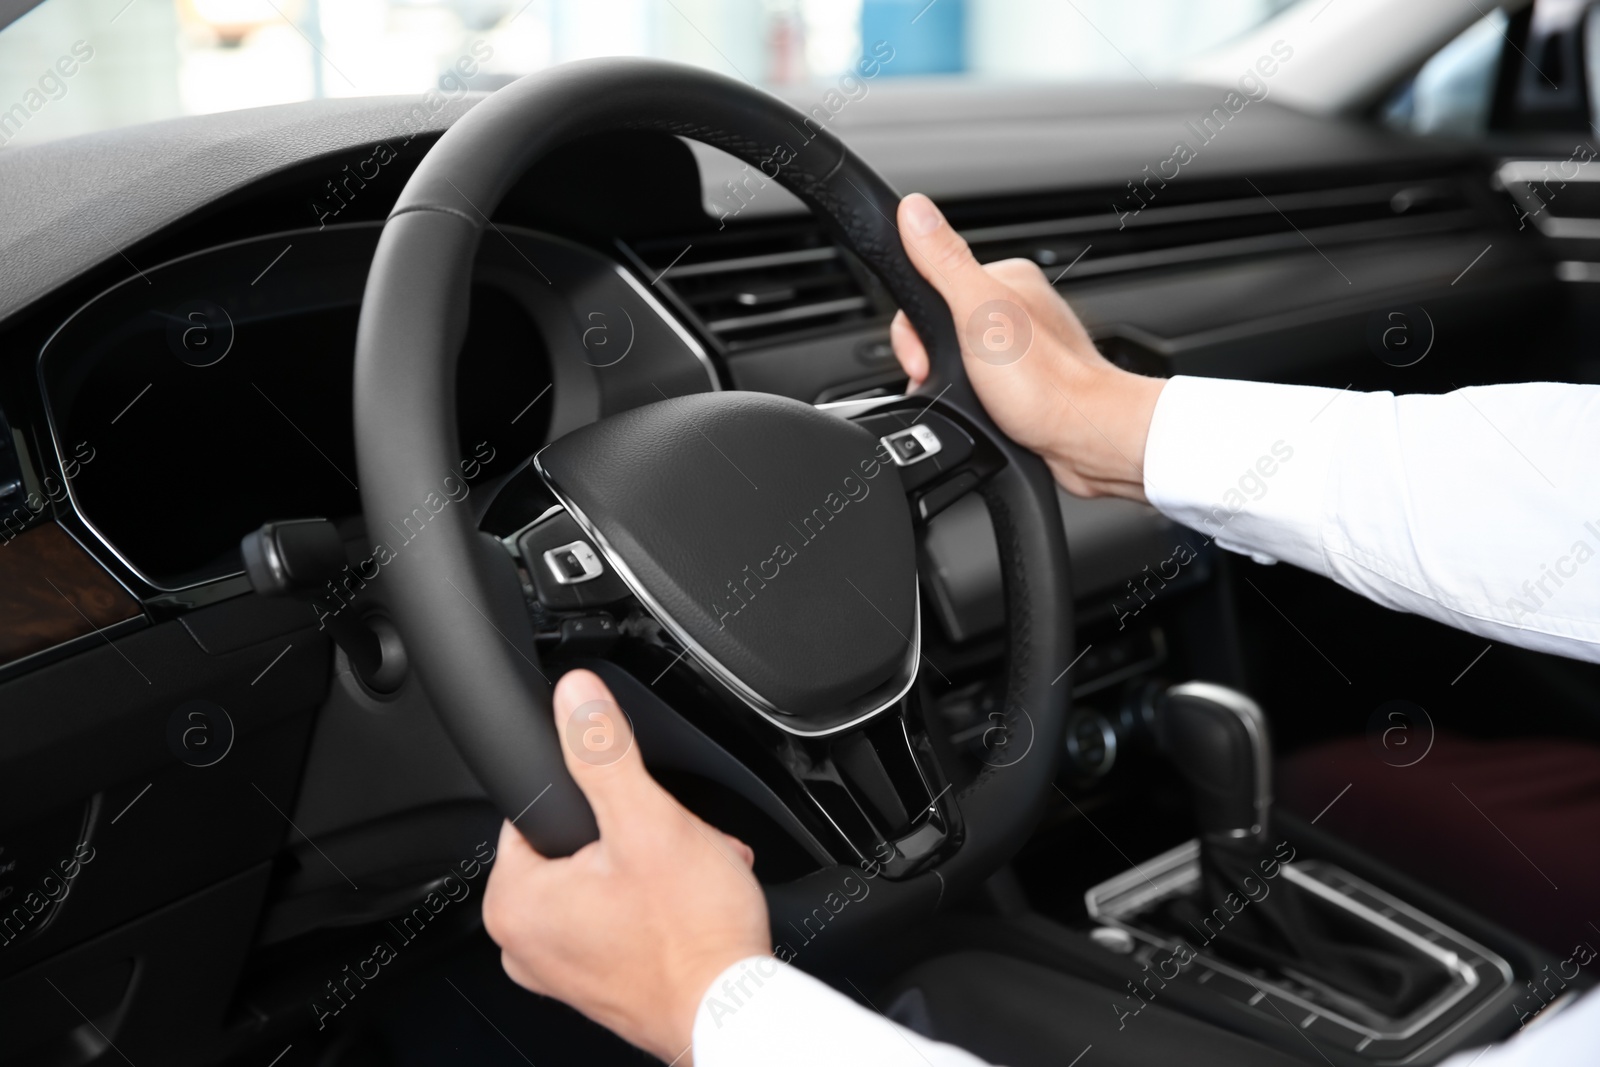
(941, 255)
(515, 862)
(597, 743)
(513, 851)
(739, 849)
(908, 349)
(1044, 303)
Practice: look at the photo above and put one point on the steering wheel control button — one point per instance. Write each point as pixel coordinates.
(912, 445)
(588, 634)
(564, 567)
(901, 444)
(573, 563)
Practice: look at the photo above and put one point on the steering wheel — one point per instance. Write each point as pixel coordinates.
(813, 654)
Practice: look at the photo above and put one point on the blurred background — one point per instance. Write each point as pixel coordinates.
(155, 59)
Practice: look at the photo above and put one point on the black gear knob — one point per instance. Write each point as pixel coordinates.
(1217, 738)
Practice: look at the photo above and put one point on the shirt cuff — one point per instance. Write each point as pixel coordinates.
(763, 1011)
(1569, 1039)
(1245, 464)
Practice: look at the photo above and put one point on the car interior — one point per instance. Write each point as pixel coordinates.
(332, 432)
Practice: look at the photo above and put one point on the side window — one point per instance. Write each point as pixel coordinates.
(1453, 93)
(1528, 72)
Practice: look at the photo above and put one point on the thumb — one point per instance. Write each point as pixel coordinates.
(908, 349)
(597, 743)
(942, 256)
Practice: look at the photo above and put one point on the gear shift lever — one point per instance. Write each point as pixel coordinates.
(1218, 738)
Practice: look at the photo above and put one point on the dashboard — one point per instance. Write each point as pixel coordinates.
(195, 382)
(180, 302)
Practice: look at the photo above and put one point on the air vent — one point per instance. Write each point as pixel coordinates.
(760, 287)
(1217, 222)
(774, 284)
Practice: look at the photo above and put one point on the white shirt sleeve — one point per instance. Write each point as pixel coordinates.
(761, 1011)
(1569, 1039)
(1479, 508)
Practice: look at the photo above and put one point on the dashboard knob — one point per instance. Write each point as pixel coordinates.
(1091, 744)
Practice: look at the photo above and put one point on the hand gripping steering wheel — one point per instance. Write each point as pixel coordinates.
(786, 575)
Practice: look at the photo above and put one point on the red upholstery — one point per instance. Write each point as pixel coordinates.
(1527, 856)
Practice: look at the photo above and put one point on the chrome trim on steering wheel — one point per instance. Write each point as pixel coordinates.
(760, 704)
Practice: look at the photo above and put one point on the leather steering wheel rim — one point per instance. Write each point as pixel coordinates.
(453, 591)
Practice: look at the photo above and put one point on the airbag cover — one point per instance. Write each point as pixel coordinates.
(773, 539)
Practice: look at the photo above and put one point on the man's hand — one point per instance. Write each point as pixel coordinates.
(1030, 361)
(632, 928)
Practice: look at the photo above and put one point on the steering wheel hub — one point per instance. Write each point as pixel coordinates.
(773, 541)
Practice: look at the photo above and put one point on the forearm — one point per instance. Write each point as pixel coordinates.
(1468, 508)
(1103, 423)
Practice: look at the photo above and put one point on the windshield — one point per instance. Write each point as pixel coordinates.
(75, 66)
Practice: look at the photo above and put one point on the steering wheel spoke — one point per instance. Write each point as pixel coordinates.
(873, 796)
(876, 795)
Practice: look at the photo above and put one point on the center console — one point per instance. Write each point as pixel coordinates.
(1250, 922)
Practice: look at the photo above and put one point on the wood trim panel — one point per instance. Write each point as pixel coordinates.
(52, 591)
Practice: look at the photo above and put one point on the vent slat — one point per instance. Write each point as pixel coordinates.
(743, 263)
(788, 314)
(763, 287)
